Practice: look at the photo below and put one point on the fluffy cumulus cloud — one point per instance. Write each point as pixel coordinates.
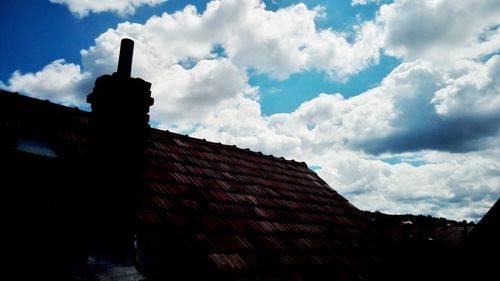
(439, 30)
(416, 107)
(179, 92)
(424, 140)
(449, 185)
(434, 109)
(59, 81)
(123, 7)
(472, 93)
(275, 43)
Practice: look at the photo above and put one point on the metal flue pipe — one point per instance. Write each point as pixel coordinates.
(125, 60)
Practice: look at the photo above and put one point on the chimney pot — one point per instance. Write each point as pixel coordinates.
(126, 56)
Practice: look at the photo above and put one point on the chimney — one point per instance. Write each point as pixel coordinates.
(118, 134)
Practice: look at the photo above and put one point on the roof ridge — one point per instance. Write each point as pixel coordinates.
(47, 101)
(247, 150)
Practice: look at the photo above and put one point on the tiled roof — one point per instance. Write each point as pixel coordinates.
(209, 208)
(238, 205)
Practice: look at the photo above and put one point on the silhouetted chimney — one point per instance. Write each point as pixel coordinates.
(118, 133)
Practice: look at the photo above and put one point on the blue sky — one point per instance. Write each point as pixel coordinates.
(394, 103)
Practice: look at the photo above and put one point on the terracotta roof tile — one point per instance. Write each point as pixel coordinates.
(231, 262)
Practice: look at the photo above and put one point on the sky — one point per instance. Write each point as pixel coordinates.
(395, 104)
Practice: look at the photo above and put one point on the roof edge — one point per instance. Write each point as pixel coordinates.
(229, 146)
(247, 151)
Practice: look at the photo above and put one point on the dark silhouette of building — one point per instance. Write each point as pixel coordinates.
(483, 245)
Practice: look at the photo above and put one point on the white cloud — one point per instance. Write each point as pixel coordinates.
(59, 81)
(123, 7)
(288, 41)
(185, 97)
(430, 108)
(473, 94)
(440, 31)
(331, 52)
(276, 43)
(452, 186)
(364, 2)
(239, 121)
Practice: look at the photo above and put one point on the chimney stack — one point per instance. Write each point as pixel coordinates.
(119, 118)
(120, 106)
(118, 135)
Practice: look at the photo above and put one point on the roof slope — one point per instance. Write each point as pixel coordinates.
(487, 230)
(219, 209)
(247, 211)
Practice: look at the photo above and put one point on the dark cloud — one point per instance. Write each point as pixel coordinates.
(451, 135)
